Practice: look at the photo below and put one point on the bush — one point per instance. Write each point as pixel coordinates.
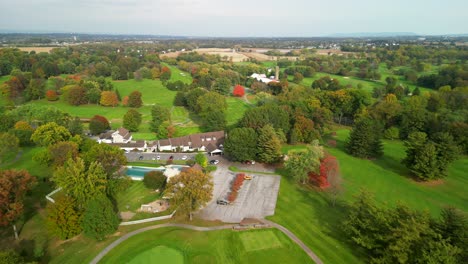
(155, 180)
(392, 133)
(51, 95)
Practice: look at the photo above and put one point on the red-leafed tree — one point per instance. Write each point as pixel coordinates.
(165, 74)
(98, 124)
(13, 187)
(51, 95)
(328, 169)
(238, 91)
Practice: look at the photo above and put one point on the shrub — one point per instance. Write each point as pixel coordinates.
(51, 95)
(155, 180)
(392, 133)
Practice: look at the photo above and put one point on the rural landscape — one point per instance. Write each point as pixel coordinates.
(142, 148)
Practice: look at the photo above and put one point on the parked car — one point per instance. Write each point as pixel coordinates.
(141, 157)
(222, 202)
(214, 162)
(247, 177)
(171, 157)
(184, 157)
(158, 157)
(249, 162)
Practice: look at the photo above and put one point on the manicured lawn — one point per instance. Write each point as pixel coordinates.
(134, 196)
(223, 246)
(308, 214)
(236, 109)
(178, 75)
(159, 254)
(153, 91)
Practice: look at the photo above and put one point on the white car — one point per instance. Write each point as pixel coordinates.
(214, 162)
(184, 157)
(158, 157)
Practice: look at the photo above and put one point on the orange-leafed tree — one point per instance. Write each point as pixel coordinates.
(51, 95)
(238, 91)
(13, 188)
(109, 98)
(328, 169)
(125, 101)
(165, 74)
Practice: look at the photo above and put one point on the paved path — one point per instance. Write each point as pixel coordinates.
(294, 238)
(203, 229)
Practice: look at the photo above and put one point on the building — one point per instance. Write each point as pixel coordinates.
(121, 135)
(211, 142)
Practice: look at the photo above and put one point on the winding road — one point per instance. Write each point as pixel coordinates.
(309, 252)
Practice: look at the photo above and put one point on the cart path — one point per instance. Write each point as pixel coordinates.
(203, 229)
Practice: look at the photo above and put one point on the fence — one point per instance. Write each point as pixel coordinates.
(48, 196)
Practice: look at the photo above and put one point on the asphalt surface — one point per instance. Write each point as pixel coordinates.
(256, 198)
(151, 156)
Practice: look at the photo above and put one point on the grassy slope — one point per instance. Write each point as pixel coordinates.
(134, 196)
(306, 212)
(223, 246)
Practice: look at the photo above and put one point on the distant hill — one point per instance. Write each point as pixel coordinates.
(373, 34)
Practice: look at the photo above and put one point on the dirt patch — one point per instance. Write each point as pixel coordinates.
(36, 49)
(431, 183)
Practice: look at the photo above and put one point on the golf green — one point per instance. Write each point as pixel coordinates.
(159, 254)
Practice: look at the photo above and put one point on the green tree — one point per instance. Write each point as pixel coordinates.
(155, 180)
(98, 124)
(9, 146)
(364, 140)
(201, 160)
(10, 257)
(269, 146)
(211, 102)
(214, 121)
(99, 218)
(77, 95)
(159, 114)
(110, 157)
(49, 134)
(241, 144)
(134, 99)
(80, 183)
(190, 190)
(61, 152)
(63, 218)
(300, 164)
(222, 85)
(75, 127)
(453, 226)
(132, 120)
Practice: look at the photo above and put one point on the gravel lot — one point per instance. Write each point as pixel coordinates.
(257, 197)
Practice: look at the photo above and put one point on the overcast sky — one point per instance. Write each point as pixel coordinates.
(261, 18)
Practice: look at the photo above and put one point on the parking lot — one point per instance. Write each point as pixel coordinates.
(256, 199)
(135, 156)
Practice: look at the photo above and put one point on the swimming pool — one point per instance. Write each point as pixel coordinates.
(138, 173)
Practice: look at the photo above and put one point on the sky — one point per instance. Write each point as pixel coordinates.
(235, 18)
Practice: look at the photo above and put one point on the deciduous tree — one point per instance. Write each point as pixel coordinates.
(238, 91)
(134, 99)
(13, 187)
(300, 164)
(9, 146)
(49, 134)
(109, 98)
(201, 160)
(98, 124)
(155, 180)
(132, 120)
(80, 183)
(190, 190)
(241, 144)
(63, 218)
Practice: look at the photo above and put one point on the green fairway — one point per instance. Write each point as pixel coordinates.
(159, 254)
(153, 91)
(255, 241)
(236, 109)
(223, 246)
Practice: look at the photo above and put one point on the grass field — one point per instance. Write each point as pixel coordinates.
(134, 196)
(307, 213)
(159, 254)
(224, 246)
(236, 109)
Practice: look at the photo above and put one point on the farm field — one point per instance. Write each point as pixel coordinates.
(385, 177)
(223, 246)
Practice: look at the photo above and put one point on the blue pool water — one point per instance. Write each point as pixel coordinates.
(139, 172)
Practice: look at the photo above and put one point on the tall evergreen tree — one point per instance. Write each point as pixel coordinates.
(99, 218)
(269, 146)
(365, 139)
